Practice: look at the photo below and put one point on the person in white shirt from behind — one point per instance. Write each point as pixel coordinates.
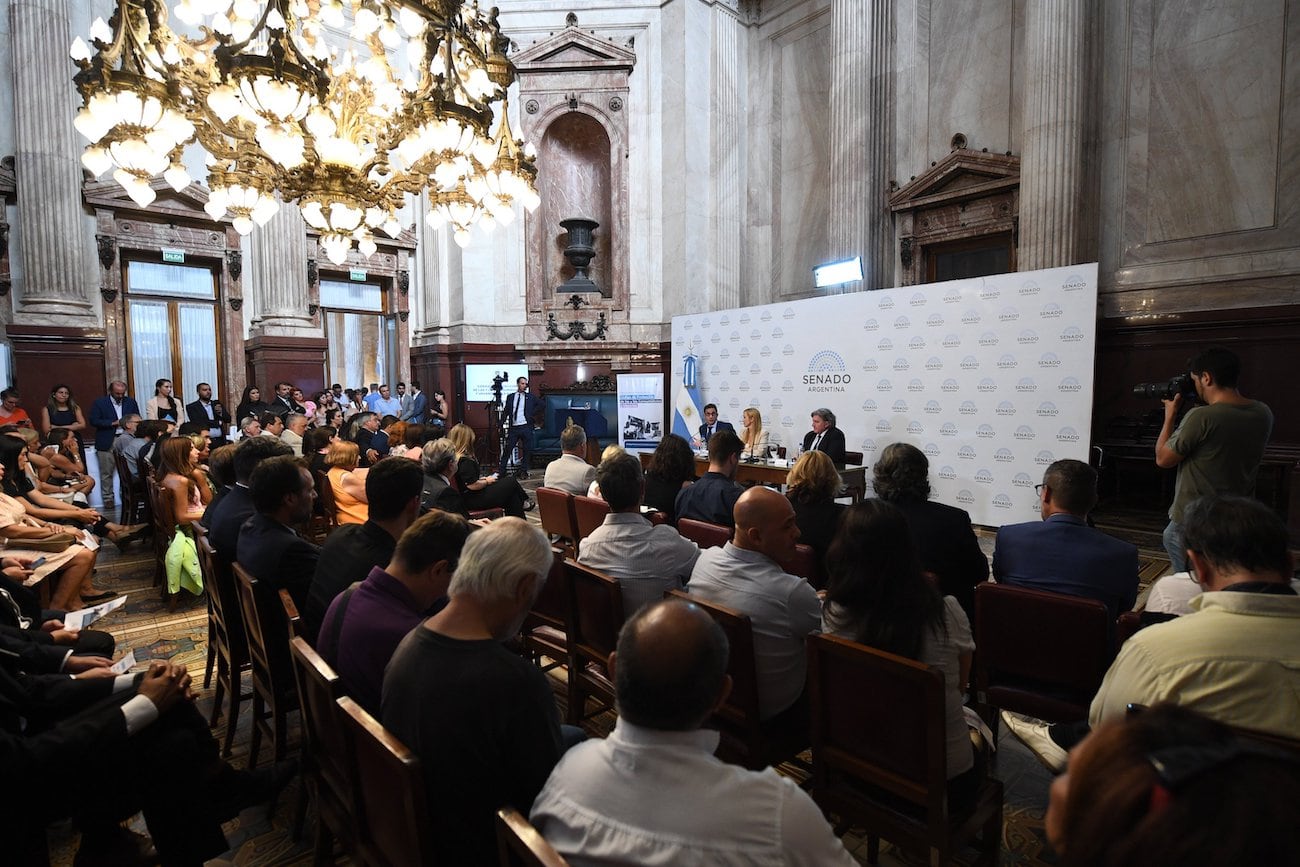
(570, 471)
(653, 792)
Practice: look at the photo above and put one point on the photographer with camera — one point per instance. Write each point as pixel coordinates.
(1218, 446)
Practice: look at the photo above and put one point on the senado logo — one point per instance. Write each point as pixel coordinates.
(715, 370)
(952, 341)
(735, 337)
(886, 302)
(934, 320)
(884, 385)
(777, 404)
(952, 296)
(931, 450)
(871, 325)
(786, 421)
(1001, 501)
(1004, 456)
(1067, 435)
(1028, 289)
(947, 473)
(1051, 310)
(744, 385)
(787, 350)
(706, 322)
(984, 476)
(744, 319)
(1027, 337)
(1026, 385)
(965, 497)
(899, 407)
(932, 407)
(787, 386)
(970, 362)
(971, 317)
(869, 446)
(1072, 334)
(885, 345)
(915, 386)
(1074, 283)
(724, 321)
(827, 372)
(985, 432)
(1008, 314)
(1007, 362)
(1044, 458)
(990, 292)
(884, 425)
(901, 364)
(688, 325)
(755, 334)
(915, 428)
(777, 368)
(967, 408)
(868, 405)
(787, 313)
(724, 353)
(715, 338)
(950, 385)
(917, 299)
(916, 344)
(948, 429)
(735, 370)
(1024, 432)
(765, 386)
(726, 385)
(1022, 480)
(1070, 385)
(988, 338)
(902, 323)
(735, 403)
(870, 365)
(934, 362)
(755, 370)
(1005, 409)
(765, 352)
(777, 333)
(744, 352)
(766, 317)
(1047, 409)
(987, 385)
(1049, 359)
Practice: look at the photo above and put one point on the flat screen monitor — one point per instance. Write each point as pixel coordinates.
(478, 380)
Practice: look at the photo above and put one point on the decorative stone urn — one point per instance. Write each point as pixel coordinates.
(580, 252)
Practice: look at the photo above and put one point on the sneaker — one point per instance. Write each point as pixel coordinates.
(530, 504)
(1035, 735)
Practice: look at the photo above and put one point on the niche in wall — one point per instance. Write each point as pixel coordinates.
(576, 153)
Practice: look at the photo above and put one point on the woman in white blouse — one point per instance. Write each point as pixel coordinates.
(752, 434)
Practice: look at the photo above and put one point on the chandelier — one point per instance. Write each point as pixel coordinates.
(302, 100)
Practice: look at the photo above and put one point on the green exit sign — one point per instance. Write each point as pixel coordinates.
(357, 274)
(176, 256)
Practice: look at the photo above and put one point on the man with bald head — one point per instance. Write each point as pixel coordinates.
(653, 792)
(745, 575)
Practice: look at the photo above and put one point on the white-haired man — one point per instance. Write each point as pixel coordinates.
(482, 719)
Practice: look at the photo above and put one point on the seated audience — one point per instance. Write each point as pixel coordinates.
(438, 461)
(177, 480)
(347, 482)
(1169, 787)
(397, 437)
(593, 490)
(316, 446)
(198, 433)
(756, 439)
(647, 560)
(714, 496)
(129, 443)
(295, 426)
(491, 492)
(481, 718)
(226, 517)
(250, 427)
(413, 440)
(66, 469)
(812, 484)
(672, 468)
(365, 622)
(272, 424)
(268, 546)
(570, 471)
(942, 535)
(1235, 658)
(670, 671)
(154, 431)
(877, 596)
(1061, 553)
(21, 613)
(368, 436)
(221, 472)
(745, 575)
(250, 405)
(1172, 596)
(352, 550)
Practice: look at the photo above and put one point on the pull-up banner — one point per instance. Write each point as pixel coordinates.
(991, 377)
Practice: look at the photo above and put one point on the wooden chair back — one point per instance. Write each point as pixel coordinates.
(590, 513)
(390, 795)
(595, 617)
(545, 630)
(319, 690)
(519, 844)
(291, 615)
(274, 690)
(555, 508)
(134, 503)
(703, 533)
(853, 459)
(1042, 654)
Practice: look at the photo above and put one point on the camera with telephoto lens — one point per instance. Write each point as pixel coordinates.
(1181, 384)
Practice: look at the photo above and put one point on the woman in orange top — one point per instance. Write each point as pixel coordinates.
(347, 482)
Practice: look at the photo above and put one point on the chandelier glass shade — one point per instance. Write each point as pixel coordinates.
(303, 100)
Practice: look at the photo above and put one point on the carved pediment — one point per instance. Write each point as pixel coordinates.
(574, 49)
(962, 174)
(185, 205)
(8, 181)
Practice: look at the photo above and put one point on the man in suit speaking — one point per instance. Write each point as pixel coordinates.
(825, 436)
(521, 412)
(711, 425)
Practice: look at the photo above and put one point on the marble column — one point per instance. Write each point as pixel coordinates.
(279, 275)
(1052, 218)
(727, 147)
(57, 280)
(862, 113)
(432, 259)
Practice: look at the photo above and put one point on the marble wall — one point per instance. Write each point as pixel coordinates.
(576, 152)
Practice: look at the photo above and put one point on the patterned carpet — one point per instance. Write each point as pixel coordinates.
(147, 626)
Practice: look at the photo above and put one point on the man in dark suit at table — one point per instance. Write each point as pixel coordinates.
(825, 436)
(268, 547)
(106, 415)
(1061, 553)
(711, 425)
(521, 414)
(210, 412)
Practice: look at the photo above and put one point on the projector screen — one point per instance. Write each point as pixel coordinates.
(478, 380)
(991, 377)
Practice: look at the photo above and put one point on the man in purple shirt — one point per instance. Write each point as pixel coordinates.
(366, 622)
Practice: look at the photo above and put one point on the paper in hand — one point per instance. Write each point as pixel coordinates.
(86, 616)
(125, 664)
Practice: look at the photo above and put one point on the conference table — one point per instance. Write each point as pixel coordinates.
(774, 473)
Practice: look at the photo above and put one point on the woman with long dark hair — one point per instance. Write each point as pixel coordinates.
(251, 404)
(182, 481)
(163, 405)
(672, 467)
(876, 595)
(62, 411)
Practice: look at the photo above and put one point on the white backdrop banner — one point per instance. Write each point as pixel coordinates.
(640, 410)
(991, 377)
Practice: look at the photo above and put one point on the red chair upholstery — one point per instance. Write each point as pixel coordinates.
(804, 564)
(519, 844)
(555, 509)
(703, 533)
(595, 617)
(1042, 654)
(590, 513)
(880, 757)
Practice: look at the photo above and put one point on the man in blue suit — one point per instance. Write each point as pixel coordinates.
(1061, 553)
(521, 412)
(418, 411)
(711, 425)
(106, 418)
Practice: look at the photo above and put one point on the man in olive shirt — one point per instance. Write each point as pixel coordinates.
(1218, 446)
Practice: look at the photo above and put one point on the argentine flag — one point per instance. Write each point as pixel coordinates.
(688, 413)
